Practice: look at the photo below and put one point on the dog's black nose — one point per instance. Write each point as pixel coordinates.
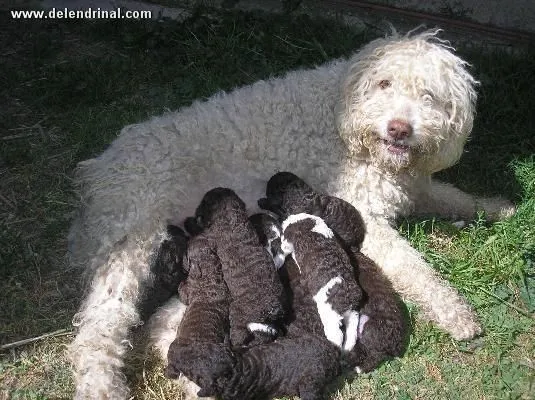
(398, 129)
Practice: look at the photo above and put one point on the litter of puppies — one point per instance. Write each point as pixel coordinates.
(280, 303)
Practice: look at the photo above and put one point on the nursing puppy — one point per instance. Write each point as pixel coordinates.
(256, 292)
(168, 270)
(287, 194)
(382, 330)
(205, 324)
(326, 272)
(300, 366)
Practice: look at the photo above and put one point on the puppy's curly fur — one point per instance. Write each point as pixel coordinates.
(325, 269)
(205, 323)
(255, 289)
(300, 366)
(382, 331)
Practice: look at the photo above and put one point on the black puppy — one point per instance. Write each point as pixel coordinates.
(382, 332)
(168, 270)
(256, 292)
(205, 324)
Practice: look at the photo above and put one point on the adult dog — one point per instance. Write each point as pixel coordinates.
(370, 129)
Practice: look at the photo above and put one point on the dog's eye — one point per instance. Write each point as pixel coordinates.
(427, 96)
(384, 83)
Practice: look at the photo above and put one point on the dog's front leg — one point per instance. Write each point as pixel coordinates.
(105, 318)
(418, 282)
(445, 200)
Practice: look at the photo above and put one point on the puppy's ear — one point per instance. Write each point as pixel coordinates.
(175, 231)
(271, 205)
(193, 225)
(263, 203)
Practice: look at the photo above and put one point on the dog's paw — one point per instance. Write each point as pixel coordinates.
(465, 328)
(496, 208)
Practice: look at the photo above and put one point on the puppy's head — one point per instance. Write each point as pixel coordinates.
(288, 194)
(169, 266)
(407, 103)
(209, 365)
(219, 205)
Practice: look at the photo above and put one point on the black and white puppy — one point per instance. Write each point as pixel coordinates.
(167, 269)
(326, 272)
(382, 330)
(288, 194)
(257, 305)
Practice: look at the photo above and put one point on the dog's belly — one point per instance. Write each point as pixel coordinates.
(250, 188)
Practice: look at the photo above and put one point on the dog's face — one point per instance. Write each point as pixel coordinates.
(219, 204)
(407, 103)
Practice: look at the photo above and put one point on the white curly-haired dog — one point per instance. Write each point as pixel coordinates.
(370, 129)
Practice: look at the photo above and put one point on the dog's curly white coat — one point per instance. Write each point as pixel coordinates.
(328, 125)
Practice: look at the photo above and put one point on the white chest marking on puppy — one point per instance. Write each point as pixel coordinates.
(276, 231)
(279, 260)
(288, 248)
(362, 321)
(257, 327)
(351, 323)
(330, 319)
(320, 227)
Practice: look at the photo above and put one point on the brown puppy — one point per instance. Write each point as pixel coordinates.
(205, 324)
(256, 307)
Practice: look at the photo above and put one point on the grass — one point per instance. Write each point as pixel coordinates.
(67, 88)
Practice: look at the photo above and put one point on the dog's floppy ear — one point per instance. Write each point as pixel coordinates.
(264, 203)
